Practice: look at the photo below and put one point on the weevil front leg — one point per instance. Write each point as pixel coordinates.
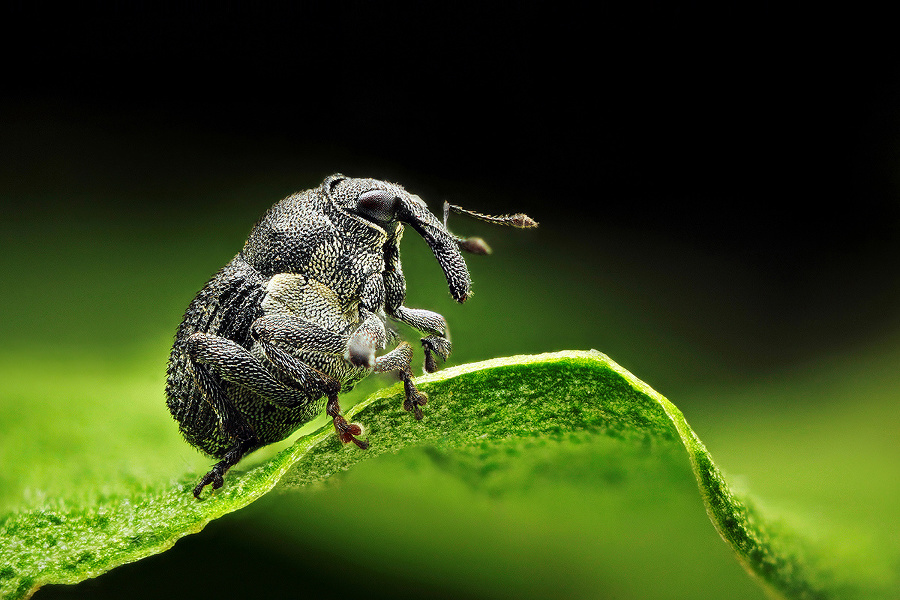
(426, 321)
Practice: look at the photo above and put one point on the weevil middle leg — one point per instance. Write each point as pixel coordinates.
(400, 360)
(273, 331)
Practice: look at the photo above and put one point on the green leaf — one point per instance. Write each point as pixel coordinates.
(493, 404)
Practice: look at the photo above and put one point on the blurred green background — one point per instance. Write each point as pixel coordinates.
(719, 212)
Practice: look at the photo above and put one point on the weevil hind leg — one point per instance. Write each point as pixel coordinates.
(216, 475)
(208, 354)
(399, 360)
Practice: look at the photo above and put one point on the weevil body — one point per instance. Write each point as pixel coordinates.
(299, 315)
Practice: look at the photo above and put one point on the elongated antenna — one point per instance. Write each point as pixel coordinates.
(476, 245)
(518, 220)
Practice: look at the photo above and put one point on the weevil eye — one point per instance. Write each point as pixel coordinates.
(377, 205)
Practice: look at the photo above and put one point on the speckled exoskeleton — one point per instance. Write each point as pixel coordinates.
(299, 314)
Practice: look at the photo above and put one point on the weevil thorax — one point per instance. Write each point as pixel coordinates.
(337, 233)
(307, 234)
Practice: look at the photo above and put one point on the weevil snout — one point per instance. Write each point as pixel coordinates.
(413, 211)
(383, 203)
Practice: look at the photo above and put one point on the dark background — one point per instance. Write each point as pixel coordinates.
(763, 138)
(717, 187)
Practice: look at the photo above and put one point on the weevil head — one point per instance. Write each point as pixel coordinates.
(383, 203)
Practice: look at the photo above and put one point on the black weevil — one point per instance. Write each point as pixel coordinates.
(299, 314)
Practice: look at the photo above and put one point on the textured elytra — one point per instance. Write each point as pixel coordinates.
(299, 315)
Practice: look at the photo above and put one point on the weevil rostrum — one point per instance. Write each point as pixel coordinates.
(299, 315)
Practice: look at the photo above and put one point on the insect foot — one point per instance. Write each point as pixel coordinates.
(301, 313)
(437, 345)
(214, 477)
(346, 432)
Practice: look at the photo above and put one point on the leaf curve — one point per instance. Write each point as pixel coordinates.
(550, 395)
